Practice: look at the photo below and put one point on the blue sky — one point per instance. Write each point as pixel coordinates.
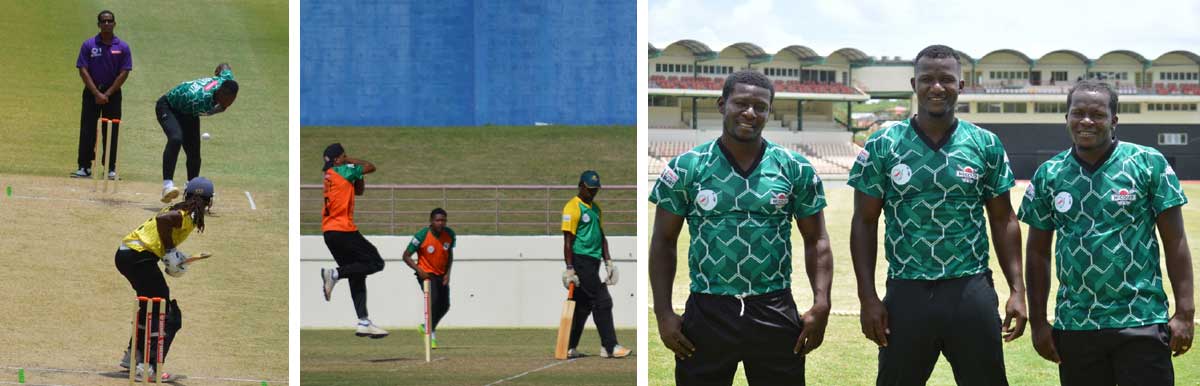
(903, 27)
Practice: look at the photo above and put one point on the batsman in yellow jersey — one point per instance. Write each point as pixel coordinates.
(156, 240)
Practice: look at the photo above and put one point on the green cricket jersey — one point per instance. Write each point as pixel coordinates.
(583, 220)
(1106, 252)
(933, 196)
(196, 97)
(739, 222)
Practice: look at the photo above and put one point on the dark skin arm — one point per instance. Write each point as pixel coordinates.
(360, 186)
(449, 263)
(221, 67)
(167, 222)
(116, 86)
(101, 98)
(1037, 281)
(568, 242)
(413, 264)
(818, 263)
(1179, 269)
(864, 243)
(1006, 240)
(663, 251)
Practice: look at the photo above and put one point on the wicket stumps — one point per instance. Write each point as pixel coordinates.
(428, 320)
(156, 308)
(106, 141)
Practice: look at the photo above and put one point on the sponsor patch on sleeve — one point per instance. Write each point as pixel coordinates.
(863, 157)
(668, 177)
(566, 218)
(416, 242)
(1030, 193)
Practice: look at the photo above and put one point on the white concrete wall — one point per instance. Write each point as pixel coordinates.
(497, 281)
(883, 78)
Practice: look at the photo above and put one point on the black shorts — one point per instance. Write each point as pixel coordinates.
(1115, 356)
(760, 332)
(355, 255)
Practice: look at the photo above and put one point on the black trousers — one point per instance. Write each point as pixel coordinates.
(356, 258)
(439, 298)
(954, 317)
(1115, 356)
(142, 272)
(760, 331)
(592, 298)
(182, 130)
(89, 113)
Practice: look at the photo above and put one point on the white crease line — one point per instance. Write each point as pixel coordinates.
(97, 372)
(532, 371)
(251, 199)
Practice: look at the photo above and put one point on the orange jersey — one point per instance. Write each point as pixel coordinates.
(433, 251)
(338, 214)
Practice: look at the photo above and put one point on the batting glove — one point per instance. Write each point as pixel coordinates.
(612, 272)
(569, 277)
(173, 262)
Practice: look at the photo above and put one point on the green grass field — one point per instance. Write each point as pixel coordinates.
(848, 358)
(465, 356)
(68, 308)
(489, 155)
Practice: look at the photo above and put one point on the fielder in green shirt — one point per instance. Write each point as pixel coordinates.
(738, 195)
(1103, 198)
(179, 111)
(932, 176)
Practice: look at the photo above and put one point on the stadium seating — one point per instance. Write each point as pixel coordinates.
(711, 83)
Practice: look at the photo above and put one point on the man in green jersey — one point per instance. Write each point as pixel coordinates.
(931, 176)
(584, 246)
(1103, 198)
(179, 112)
(739, 194)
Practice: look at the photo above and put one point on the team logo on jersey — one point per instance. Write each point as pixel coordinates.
(1063, 201)
(707, 199)
(1123, 196)
(863, 157)
(429, 249)
(668, 177)
(967, 174)
(901, 173)
(779, 200)
(585, 218)
(97, 52)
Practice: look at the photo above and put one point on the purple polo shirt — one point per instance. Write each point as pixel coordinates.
(104, 62)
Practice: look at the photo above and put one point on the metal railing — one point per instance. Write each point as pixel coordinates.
(472, 209)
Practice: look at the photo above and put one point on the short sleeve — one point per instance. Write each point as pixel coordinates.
(453, 238)
(1167, 193)
(866, 175)
(1035, 206)
(225, 75)
(127, 59)
(670, 191)
(82, 60)
(998, 178)
(570, 217)
(808, 192)
(415, 244)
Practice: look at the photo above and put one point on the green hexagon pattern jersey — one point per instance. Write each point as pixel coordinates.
(1106, 252)
(740, 224)
(933, 196)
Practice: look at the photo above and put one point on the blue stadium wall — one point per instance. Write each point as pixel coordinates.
(1028, 145)
(423, 63)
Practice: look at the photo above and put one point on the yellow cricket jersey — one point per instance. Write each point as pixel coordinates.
(583, 221)
(145, 237)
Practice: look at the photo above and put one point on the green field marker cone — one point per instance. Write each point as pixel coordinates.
(264, 383)
(20, 372)
(9, 191)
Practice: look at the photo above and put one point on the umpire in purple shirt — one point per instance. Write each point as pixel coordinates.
(104, 64)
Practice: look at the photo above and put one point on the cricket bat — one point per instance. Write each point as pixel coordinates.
(428, 323)
(197, 257)
(564, 324)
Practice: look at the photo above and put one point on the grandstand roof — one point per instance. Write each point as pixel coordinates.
(801, 52)
(697, 48)
(963, 56)
(654, 52)
(1082, 58)
(1012, 52)
(853, 55)
(1187, 54)
(1136, 56)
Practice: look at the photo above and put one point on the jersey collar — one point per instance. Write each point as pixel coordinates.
(733, 161)
(929, 141)
(1092, 168)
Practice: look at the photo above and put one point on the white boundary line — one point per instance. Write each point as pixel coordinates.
(101, 373)
(556, 363)
(251, 199)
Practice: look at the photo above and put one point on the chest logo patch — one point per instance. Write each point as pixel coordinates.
(585, 218)
(1123, 196)
(429, 249)
(779, 200)
(97, 52)
(1063, 201)
(967, 174)
(707, 199)
(901, 173)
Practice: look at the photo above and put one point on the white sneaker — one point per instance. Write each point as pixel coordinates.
(170, 194)
(112, 176)
(81, 173)
(142, 371)
(125, 360)
(572, 354)
(371, 330)
(618, 352)
(327, 282)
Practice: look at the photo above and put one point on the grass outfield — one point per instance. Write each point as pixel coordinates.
(844, 338)
(466, 356)
(68, 307)
(492, 155)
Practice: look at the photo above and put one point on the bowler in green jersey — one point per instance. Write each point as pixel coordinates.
(932, 176)
(738, 195)
(179, 111)
(1102, 199)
